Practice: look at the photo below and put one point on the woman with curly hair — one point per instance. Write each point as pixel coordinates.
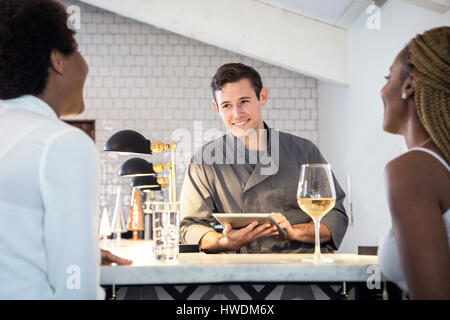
(49, 169)
(415, 254)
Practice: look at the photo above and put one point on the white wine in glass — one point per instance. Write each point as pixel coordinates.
(316, 196)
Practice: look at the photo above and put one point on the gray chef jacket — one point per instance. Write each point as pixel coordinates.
(221, 178)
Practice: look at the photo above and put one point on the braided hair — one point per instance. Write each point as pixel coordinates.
(429, 65)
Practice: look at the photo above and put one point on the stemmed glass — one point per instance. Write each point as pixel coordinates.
(316, 196)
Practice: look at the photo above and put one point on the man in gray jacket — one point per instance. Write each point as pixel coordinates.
(253, 169)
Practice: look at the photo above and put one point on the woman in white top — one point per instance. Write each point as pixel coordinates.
(416, 253)
(48, 170)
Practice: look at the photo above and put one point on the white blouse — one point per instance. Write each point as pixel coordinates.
(388, 255)
(49, 188)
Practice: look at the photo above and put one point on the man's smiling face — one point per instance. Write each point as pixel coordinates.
(240, 108)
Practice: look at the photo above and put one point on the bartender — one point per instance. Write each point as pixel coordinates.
(255, 169)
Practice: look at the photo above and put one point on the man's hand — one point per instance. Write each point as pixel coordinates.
(108, 258)
(235, 239)
(303, 232)
(292, 233)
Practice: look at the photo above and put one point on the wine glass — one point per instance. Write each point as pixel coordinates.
(316, 196)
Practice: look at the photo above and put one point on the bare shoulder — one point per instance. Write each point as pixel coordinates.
(417, 175)
(416, 165)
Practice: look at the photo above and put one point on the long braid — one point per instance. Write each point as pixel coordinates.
(429, 65)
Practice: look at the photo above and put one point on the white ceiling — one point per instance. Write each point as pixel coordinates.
(329, 11)
(342, 13)
(217, 23)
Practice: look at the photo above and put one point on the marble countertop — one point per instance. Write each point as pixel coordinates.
(221, 268)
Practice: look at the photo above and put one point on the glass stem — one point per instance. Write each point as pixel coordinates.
(317, 239)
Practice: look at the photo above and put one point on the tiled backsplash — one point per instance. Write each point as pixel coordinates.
(155, 82)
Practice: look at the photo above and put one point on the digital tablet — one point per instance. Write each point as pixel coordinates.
(239, 220)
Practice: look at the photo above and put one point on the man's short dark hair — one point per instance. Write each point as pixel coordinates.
(233, 72)
(29, 31)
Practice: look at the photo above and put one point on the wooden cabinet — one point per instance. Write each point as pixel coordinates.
(87, 126)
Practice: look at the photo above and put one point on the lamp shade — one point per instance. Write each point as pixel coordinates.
(136, 167)
(145, 183)
(128, 141)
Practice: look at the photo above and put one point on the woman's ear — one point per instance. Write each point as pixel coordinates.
(408, 88)
(57, 61)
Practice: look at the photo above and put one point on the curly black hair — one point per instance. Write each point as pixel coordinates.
(29, 31)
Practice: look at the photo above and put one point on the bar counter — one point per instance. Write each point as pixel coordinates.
(238, 276)
(219, 268)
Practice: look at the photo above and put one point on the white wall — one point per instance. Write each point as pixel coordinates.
(350, 118)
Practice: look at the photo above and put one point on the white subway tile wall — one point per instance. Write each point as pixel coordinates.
(157, 83)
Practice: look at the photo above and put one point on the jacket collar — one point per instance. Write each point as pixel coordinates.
(269, 161)
(269, 133)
